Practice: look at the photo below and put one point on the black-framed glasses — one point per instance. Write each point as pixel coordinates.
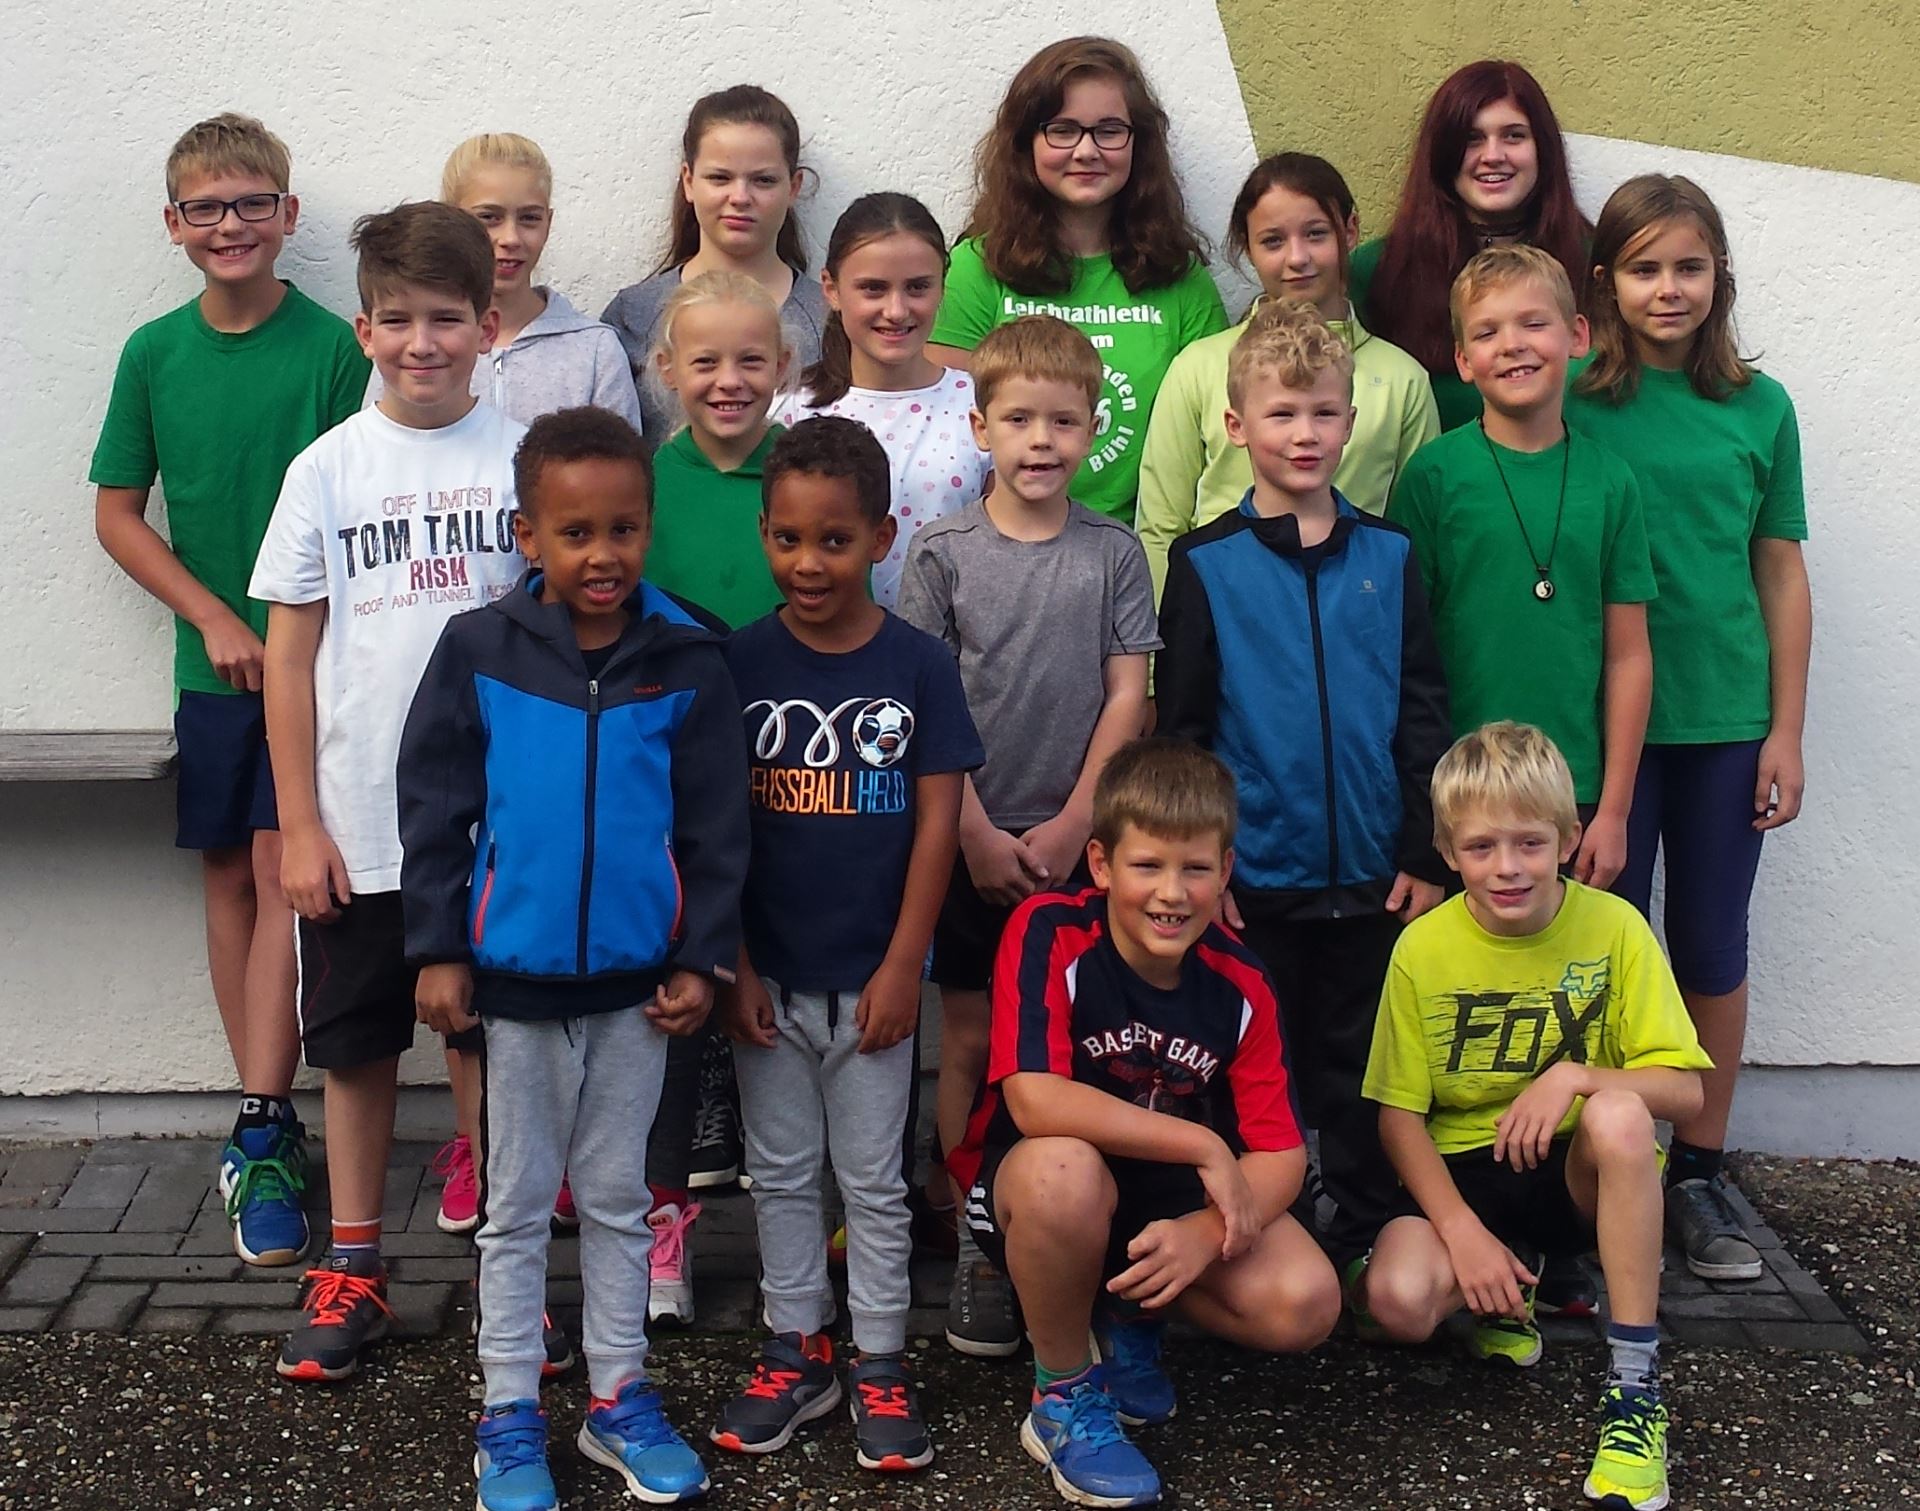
(210, 212)
(1109, 135)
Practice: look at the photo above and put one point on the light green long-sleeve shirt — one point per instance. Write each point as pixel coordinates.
(1191, 473)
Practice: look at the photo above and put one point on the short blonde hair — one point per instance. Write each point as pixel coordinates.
(494, 149)
(229, 143)
(1502, 267)
(1288, 338)
(1167, 788)
(1040, 348)
(721, 286)
(1505, 768)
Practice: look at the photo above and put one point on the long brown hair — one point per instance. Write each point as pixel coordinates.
(742, 105)
(1303, 174)
(1153, 243)
(1431, 237)
(1634, 213)
(868, 218)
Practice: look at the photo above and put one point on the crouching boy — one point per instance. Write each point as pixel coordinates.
(1134, 1153)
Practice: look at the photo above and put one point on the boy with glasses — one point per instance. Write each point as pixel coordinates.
(216, 398)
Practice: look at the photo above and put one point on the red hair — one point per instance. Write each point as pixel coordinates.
(1432, 238)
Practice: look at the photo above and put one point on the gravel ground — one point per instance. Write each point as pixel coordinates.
(89, 1421)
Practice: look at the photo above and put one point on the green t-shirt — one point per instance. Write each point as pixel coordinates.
(1508, 655)
(216, 418)
(1468, 1020)
(1457, 400)
(1137, 336)
(1714, 475)
(706, 531)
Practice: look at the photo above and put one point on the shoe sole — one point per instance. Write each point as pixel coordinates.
(703, 1180)
(312, 1371)
(479, 1502)
(974, 1348)
(448, 1224)
(1037, 1451)
(268, 1259)
(1746, 1270)
(673, 1318)
(1614, 1501)
(590, 1446)
(819, 1406)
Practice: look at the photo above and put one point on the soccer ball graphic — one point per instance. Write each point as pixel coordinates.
(881, 731)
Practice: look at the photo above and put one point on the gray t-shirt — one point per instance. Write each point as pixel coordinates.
(634, 315)
(1032, 624)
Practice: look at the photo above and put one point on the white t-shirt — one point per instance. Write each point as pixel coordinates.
(396, 530)
(936, 467)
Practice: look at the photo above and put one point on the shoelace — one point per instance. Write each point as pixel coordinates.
(712, 1125)
(1632, 1422)
(888, 1400)
(1090, 1417)
(636, 1417)
(984, 1286)
(770, 1384)
(1715, 1212)
(335, 1294)
(263, 1180)
(513, 1438)
(455, 1163)
(670, 1240)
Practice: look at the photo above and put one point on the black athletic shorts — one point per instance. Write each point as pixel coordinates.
(966, 936)
(1148, 1192)
(1527, 1210)
(356, 988)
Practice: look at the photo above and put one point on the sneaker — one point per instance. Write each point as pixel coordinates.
(670, 1266)
(790, 1385)
(1505, 1341)
(460, 1200)
(631, 1435)
(1130, 1351)
(888, 1431)
(564, 1212)
(1565, 1289)
(510, 1459)
(982, 1319)
(716, 1142)
(1351, 1293)
(263, 1176)
(345, 1306)
(1630, 1467)
(1702, 1224)
(559, 1348)
(1072, 1429)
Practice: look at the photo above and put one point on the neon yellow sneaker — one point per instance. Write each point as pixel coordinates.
(1505, 1341)
(1351, 1277)
(1630, 1467)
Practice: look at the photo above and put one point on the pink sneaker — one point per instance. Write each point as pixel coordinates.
(563, 1212)
(670, 1294)
(460, 1200)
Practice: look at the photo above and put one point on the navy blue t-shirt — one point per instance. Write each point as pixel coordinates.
(834, 743)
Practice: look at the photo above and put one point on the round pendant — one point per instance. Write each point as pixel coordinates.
(1543, 589)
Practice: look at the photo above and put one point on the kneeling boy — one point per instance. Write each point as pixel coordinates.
(1529, 1035)
(1135, 1153)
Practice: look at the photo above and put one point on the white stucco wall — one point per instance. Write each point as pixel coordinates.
(101, 972)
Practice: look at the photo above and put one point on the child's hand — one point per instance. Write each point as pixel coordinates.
(313, 873)
(1230, 911)
(1524, 1133)
(1002, 868)
(1168, 1256)
(1603, 852)
(1781, 783)
(1228, 1191)
(1411, 897)
(746, 1012)
(238, 655)
(1485, 1269)
(889, 1008)
(1056, 847)
(680, 1006)
(443, 997)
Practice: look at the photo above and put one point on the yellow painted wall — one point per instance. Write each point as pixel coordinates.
(1833, 85)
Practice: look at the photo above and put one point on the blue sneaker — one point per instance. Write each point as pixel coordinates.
(1073, 1430)
(1130, 1351)
(631, 1435)
(264, 1180)
(511, 1459)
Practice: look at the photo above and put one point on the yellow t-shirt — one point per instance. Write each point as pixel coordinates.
(1468, 1019)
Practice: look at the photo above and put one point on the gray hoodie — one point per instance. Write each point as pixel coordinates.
(560, 359)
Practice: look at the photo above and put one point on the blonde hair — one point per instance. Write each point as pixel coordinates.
(1505, 768)
(1502, 267)
(494, 149)
(229, 143)
(1042, 348)
(1168, 788)
(721, 286)
(1289, 338)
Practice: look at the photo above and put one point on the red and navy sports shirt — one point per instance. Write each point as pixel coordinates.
(1064, 1002)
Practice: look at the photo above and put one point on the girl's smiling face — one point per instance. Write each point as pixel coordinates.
(1295, 247)
(741, 187)
(1086, 175)
(1501, 167)
(724, 361)
(1664, 284)
(512, 204)
(887, 292)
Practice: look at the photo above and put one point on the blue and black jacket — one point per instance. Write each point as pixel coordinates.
(573, 837)
(1314, 674)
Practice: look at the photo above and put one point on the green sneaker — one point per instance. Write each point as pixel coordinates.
(1364, 1327)
(1507, 1341)
(1630, 1466)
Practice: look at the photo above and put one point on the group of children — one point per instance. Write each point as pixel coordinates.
(582, 743)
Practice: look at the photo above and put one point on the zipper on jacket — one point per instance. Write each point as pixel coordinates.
(486, 895)
(1326, 722)
(586, 849)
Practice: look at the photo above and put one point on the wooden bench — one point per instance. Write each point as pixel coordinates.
(85, 755)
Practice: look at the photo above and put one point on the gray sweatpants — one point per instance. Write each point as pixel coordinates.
(812, 1098)
(571, 1096)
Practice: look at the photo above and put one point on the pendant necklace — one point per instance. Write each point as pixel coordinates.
(1543, 588)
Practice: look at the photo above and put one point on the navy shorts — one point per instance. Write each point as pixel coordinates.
(1694, 803)
(1527, 1210)
(225, 786)
(966, 936)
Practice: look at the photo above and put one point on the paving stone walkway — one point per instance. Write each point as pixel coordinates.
(127, 1235)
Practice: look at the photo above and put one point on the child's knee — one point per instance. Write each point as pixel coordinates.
(1300, 1309)
(1060, 1184)
(1408, 1301)
(1617, 1128)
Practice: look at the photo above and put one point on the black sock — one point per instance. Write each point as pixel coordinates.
(262, 1112)
(1690, 1162)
